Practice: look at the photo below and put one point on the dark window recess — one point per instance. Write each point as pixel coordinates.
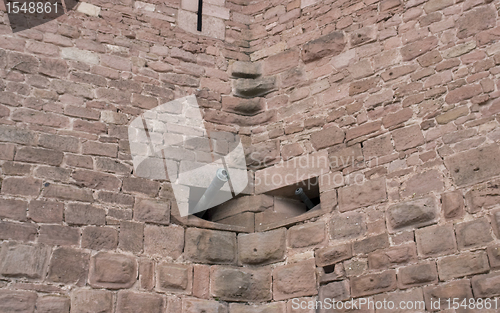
(329, 269)
(287, 202)
(200, 11)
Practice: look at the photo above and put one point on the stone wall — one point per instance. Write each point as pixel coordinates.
(400, 96)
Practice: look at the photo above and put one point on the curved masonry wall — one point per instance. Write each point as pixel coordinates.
(400, 96)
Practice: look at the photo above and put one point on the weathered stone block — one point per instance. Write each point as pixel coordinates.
(263, 247)
(472, 22)
(69, 266)
(166, 241)
(112, 271)
(452, 203)
(435, 240)
(423, 183)
(364, 35)
(494, 256)
(244, 87)
(52, 304)
(201, 281)
(346, 156)
(99, 238)
(412, 214)
(331, 255)
(246, 69)
(306, 235)
(280, 62)
(328, 45)
(13, 209)
(407, 137)
(210, 246)
(474, 233)
(483, 196)
(43, 211)
(370, 284)
(131, 236)
(241, 284)
(458, 289)
(174, 278)
(294, 280)
(371, 244)
(133, 302)
(59, 235)
(486, 286)
(190, 305)
(417, 275)
(473, 166)
(392, 256)
(151, 211)
(17, 301)
(456, 266)
(338, 290)
(415, 49)
(358, 196)
(21, 260)
(84, 214)
(347, 226)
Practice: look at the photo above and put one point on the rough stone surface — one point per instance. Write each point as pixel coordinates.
(17, 301)
(373, 283)
(130, 301)
(306, 235)
(451, 267)
(356, 196)
(412, 214)
(68, 266)
(209, 246)
(174, 278)
(156, 242)
(241, 284)
(436, 240)
(21, 260)
(473, 234)
(112, 271)
(417, 275)
(294, 280)
(328, 45)
(262, 248)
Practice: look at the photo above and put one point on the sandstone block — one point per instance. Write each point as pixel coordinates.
(13, 209)
(458, 289)
(210, 246)
(21, 260)
(378, 146)
(151, 211)
(474, 233)
(201, 281)
(332, 255)
(155, 242)
(472, 22)
(456, 266)
(423, 183)
(44, 211)
(338, 290)
(83, 301)
(39, 156)
(174, 278)
(263, 247)
(341, 157)
(453, 204)
(17, 301)
(415, 49)
(494, 256)
(435, 5)
(306, 235)
(240, 284)
(417, 275)
(347, 226)
(294, 280)
(22, 186)
(370, 284)
(371, 244)
(69, 266)
(246, 69)
(52, 304)
(392, 256)
(190, 305)
(473, 166)
(133, 302)
(435, 240)
(407, 137)
(244, 87)
(131, 236)
(412, 214)
(280, 62)
(486, 286)
(276, 307)
(357, 196)
(328, 45)
(112, 271)
(83, 214)
(59, 235)
(100, 238)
